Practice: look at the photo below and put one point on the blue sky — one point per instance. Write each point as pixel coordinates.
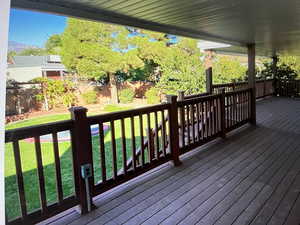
(34, 28)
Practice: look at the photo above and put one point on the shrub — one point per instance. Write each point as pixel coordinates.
(126, 95)
(90, 97)
(152, 96)
(56, 92)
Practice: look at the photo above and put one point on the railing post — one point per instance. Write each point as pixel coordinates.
(180, 95)
(82, 155)
(233, 85)
(223, 118)
(174, 129)
(181, 98)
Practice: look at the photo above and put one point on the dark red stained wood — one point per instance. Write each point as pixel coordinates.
(124, 156)
(133, 147)
(163, 133)
(193, 123)
(156, 135)
(182, 120)
(174, 129)
(57, 168)
(206, 120)
(20, 181)
(102, 152)
(27, 132)
(202, 120)
(188, 124)
(40, 171)
(127, 113)
(150, 138)
(223, 114)
(142, 138)
(198, 121)
(113, 149)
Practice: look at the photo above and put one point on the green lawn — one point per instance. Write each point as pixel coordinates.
(29, 163)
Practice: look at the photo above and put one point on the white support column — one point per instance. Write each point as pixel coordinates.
(4, 23)
(251, 80)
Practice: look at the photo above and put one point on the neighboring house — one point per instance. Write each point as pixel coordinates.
(26, 68)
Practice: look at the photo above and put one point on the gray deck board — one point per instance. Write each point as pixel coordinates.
(252, 177)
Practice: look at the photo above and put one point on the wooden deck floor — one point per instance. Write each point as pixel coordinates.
(252, 177)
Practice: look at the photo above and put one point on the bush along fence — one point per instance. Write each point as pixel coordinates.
(128, 144)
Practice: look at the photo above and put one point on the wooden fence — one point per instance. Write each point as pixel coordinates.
(128, 144)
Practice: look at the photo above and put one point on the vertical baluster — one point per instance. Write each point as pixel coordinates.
(215, 115)
(193, 122)
(142, 139)
(57, 168)
(124, 151)
(202, 120)
(40, 170)
(156, 135)
(163, 133)
(198, 121)
(150, 139)
(232, 110)
(20, 180)
(102, 152)
(133, 143)
(209, 126)
(188, 124)
(182, 120)
(113, 149)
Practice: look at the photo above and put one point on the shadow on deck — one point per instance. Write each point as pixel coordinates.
(252, 177)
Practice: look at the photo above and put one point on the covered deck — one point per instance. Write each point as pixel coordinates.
(251, 177)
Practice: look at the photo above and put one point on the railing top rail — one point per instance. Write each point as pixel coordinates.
(197, 100)
(37, 130)
(238, 83)
(127, 113)
(237, 91)
(195, 95)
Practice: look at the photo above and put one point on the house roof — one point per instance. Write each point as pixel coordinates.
(49, 62)
(272, 25)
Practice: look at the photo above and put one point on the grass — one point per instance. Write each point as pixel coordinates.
(28, 160)
(57, 117)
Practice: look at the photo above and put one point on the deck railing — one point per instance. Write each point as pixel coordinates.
(288, 88)
(263, 87)
(128, 144)
(47, 208)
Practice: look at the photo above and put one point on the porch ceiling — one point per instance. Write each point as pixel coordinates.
(273, 25)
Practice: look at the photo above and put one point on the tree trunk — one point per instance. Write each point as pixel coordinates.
(113, 88)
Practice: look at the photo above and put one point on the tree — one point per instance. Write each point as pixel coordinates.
(226, 69)
(97, 50)
(33, 52)
(181, 68)
(54, 44)
(178, 63)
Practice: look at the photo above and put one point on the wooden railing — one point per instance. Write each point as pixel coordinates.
(288, 88)
(47, 208)
(263, 87)
(128, 144)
